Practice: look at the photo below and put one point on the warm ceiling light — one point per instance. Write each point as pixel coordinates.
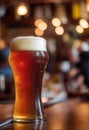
(84, 23)
(56, 22)
(39, 32)
(42, 25)
(22, 9)
(79, 29)
(37, 22)
(59, 30)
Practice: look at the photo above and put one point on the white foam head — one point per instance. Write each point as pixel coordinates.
(28, 43)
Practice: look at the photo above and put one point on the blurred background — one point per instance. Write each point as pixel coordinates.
(65, 25)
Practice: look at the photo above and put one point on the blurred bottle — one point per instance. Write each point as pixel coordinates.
(2, 83)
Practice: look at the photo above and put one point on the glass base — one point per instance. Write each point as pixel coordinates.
(28, 120)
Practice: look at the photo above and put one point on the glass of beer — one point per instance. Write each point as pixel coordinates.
(28, 59)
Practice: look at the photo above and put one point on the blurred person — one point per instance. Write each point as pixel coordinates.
(83, 63)
(5, 70)
(75, 78)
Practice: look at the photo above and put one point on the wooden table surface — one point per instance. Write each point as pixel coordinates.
(72, 114)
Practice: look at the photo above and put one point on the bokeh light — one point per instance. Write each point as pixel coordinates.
(22, 9)
(59, 30)
(39, 32)
(84, 23)
(79, 29)
(56, 22)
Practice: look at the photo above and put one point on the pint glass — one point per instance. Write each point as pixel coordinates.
(28, 59)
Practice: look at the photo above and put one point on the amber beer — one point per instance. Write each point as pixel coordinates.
(28, 59)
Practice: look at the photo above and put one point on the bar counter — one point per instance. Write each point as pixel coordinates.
(71, 114)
